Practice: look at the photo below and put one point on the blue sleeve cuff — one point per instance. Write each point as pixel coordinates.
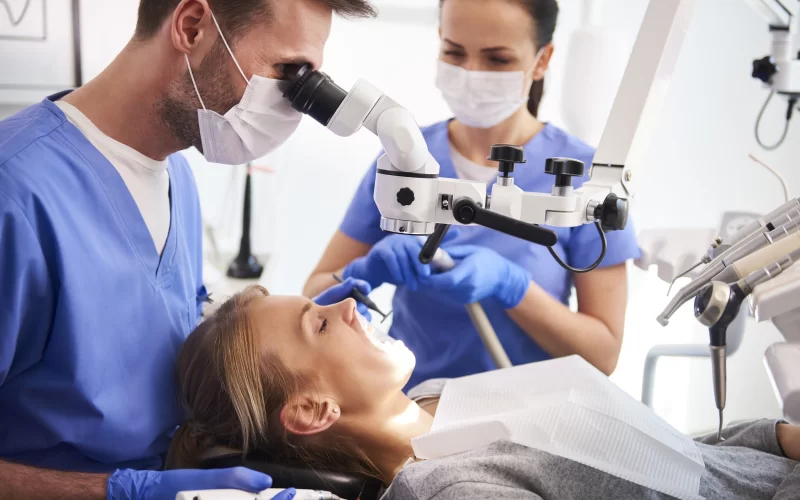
(362, 219)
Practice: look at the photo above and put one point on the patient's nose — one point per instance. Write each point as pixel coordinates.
(348, 309)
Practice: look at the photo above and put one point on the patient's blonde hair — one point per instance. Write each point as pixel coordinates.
(234, 391)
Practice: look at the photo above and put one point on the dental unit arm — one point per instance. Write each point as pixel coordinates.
(718, 304)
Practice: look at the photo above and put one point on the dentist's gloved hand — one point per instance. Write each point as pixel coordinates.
(394, 260)
(481, 273)
(343, 291)
(157, 485)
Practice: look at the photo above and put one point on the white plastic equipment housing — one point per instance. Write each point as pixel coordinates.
(355, 108)
(783, 366)
(777, 300)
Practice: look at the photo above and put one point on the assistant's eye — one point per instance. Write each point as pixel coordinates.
(453, 53)
(323, 327)
(499, 61)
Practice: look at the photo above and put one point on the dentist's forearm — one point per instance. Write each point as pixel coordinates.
(20, 482)
(562, 332)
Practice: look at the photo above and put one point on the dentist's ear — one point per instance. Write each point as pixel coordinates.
(542, 65)
(192, 29)
(306, 416)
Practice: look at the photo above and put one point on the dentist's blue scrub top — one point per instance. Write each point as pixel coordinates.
(438, 330)
(91, 318)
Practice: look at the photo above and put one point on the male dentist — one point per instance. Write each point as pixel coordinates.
(100, 241)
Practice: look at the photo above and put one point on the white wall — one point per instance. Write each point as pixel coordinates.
(696, 168)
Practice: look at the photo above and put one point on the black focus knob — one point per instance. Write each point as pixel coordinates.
(613, 213)
(764, 69)
(564, 169)
(405, 197)
(507, 155)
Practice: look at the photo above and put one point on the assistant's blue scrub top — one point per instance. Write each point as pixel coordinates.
(438, 330)
(91, 317)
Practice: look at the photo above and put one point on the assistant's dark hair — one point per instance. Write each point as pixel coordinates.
(235, 16)
(544, 17)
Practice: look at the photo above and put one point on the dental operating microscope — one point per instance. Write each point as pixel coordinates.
(414, 200)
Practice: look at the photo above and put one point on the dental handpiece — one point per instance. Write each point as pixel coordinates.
(748, 247)
(786, 213)
(762, 224)
(364, 299)
(717, 306)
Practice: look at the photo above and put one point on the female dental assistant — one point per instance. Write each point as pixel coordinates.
(493, 58)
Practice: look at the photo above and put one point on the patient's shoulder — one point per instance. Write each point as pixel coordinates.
(429, 389)
(490, 470)
(506, 470)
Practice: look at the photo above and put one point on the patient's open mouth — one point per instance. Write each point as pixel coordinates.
(378, 338)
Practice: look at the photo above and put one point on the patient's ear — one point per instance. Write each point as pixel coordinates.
(306, 415)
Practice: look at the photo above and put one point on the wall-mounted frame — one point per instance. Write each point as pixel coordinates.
(40, 49)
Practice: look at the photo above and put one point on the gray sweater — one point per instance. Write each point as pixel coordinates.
(748, 465)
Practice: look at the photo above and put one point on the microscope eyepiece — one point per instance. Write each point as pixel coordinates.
(313, 93)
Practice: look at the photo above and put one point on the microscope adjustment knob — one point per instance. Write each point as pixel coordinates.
(507, 155)
(764, 69)
(405, 197)
(564, 169)
(612, 213)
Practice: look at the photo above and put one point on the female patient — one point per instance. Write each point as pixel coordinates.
(307, 384)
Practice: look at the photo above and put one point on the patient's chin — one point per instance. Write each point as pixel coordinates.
(404, 362)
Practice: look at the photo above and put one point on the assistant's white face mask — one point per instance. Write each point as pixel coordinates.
(261, 122)
(483, 99)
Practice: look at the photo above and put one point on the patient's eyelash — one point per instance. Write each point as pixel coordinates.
(323, 327)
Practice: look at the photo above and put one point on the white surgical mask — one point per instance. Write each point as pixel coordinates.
(483, 99)
(261, 122)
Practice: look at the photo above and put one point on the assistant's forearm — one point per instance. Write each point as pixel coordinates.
(562, 332)
(319, 282)
(20, 482)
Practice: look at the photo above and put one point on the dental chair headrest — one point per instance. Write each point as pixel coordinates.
(346, 486)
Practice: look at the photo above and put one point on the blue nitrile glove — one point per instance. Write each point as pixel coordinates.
(481, 273)
(343, 291)
(157, 485)
(394, 260)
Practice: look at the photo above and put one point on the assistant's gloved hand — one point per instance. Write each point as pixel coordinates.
(394, 260)
(157, 485)
(481, 273)
(343, 291)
